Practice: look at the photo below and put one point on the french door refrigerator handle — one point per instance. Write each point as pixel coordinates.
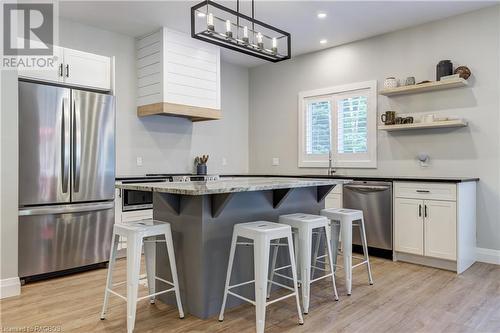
(66, 209)
(77, 146)
(65, 145)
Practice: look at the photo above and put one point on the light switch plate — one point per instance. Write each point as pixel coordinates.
(276, 161)
(139, 161)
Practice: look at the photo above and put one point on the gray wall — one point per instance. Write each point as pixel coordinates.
(167, 144)
(8, 174)
(471, 39)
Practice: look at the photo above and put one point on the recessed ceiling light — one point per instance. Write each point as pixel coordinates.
(321, 15)
(323, 41)
(200, 14)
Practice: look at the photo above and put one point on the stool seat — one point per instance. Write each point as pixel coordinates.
(147, 227)
(339, 213)
(260, 227)
(298, 220)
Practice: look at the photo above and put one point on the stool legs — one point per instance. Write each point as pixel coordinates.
(276, 247)
(261, 266)
(150, 256)
(173, 269)
(346, 232)
(305, 239)
(330, 258)
(134, 246)
(365, 250)
(228, 275)
(294, 276)
(109, 279)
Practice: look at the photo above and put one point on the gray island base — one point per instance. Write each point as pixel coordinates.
(202, 216)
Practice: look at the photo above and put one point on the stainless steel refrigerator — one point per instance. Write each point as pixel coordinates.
(66, 178)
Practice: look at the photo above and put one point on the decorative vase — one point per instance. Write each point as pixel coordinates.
(201, 169)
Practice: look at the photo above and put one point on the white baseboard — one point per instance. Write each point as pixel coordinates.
(488, 256)
(10, 287)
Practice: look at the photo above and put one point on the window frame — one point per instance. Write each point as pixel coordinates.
(361, 160)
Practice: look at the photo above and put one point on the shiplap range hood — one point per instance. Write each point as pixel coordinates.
(177, 76)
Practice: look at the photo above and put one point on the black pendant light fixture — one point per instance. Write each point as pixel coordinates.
(225, 27)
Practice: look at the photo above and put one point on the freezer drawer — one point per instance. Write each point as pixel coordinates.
(55, 238)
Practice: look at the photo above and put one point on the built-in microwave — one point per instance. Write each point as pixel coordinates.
(136, 200)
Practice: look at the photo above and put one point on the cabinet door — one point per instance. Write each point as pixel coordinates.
(408, 225)
(333, 201)
(87, 69)
(440, 219)
(47, 75)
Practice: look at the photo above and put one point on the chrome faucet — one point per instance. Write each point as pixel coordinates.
(331, 169)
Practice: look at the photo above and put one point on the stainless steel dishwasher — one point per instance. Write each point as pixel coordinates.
(374, 198)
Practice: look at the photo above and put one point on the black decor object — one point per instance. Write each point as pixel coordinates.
(228, 28)
(443, 68)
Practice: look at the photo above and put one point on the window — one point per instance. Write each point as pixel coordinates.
(338, 120)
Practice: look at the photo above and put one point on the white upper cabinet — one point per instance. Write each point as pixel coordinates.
(51, 75)
(177, 75)
(87, 69)
(75, 68)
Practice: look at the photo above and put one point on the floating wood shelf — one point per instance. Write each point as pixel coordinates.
(414, 126)
(425, 87)
(170, 109)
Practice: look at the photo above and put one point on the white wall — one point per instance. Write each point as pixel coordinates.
(471, 39)
(8, 175)
(167, 144)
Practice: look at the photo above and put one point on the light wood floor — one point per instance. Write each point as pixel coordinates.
(404, 298)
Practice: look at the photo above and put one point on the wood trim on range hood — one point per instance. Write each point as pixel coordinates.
(194, 113)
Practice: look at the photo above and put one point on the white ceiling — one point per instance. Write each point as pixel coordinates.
(346, 21)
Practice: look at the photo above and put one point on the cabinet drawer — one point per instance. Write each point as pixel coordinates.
(426, 191)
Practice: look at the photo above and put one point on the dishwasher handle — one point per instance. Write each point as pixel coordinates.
(367, 188)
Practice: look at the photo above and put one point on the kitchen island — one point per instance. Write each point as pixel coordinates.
(202, 216)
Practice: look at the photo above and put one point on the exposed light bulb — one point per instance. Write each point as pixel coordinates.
(321, 15)
(229, 33)
(260, 44)
(210, 22)
(274, 48)
(245, 34)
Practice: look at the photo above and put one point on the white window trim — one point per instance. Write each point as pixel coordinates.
(321, 161)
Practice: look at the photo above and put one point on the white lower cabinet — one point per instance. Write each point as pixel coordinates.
(432, 231)
(334, 198)
(408, 226)
(440, 229)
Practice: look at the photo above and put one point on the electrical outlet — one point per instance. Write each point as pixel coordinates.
(139, 161)
(224, 161)
(276, 161)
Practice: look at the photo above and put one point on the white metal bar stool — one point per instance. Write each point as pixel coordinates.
(347, 219)
(261, 233)
(136, 232)
(303, 227)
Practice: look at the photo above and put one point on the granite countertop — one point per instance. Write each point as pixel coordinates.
(231, 185)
